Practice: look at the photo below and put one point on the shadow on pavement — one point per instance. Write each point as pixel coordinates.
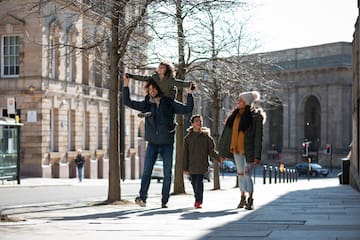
(201, 215)
(318, 213)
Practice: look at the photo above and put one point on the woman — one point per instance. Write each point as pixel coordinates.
(241, 140)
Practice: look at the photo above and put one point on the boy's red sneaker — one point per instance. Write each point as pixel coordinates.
(198, 205)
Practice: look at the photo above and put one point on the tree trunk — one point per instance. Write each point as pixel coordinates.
(179, 177)
(216, 109)
(114, 191)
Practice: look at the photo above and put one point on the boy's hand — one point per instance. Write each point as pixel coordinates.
(192, 87)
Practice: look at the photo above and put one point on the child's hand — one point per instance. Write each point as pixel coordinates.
(126, 80)
(192, 87)
(186, 172)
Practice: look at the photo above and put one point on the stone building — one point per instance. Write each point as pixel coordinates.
(61, 92)
(355, 150)
(314, 102)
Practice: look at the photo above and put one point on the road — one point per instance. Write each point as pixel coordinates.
(37, 191)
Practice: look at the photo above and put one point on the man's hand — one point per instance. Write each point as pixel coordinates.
(126, 80)
(256, 162)
(186, 172)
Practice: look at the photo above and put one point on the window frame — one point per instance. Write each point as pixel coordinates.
(2, 65)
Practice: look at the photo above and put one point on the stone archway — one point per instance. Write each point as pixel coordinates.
(312, 122)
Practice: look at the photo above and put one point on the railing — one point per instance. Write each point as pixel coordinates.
(278, 175)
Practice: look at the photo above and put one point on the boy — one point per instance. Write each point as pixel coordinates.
(165, 78)
(198, 145)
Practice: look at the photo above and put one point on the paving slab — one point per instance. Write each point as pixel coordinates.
(316, 209)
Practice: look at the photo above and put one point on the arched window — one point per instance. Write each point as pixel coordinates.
(54, 51)
(98, 67)
(71, 54)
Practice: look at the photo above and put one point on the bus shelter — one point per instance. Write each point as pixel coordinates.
(9, 149)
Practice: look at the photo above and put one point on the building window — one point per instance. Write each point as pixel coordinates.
(10, 56)
(132, 131)
(98, 68)
(86, 131)
(52, 59)
(69, 63)
(99, 126)
(54, 130)
(71, 131)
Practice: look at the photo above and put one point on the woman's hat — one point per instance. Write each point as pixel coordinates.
(249, 97)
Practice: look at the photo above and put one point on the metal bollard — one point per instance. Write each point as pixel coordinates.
(290, 175)
(293, 176)
(287, 175)
(284, 175)
(296, 175)
(270, 174)
(275, 174)
(264, 173)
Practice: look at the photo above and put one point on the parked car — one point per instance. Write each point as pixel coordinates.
(228, 166)
(158, 171)
(316, 169)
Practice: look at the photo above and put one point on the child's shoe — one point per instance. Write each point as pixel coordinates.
(198, 205)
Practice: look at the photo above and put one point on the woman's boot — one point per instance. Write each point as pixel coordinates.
(250, 204)
(242, 202)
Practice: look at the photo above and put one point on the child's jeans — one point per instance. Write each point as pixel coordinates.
(197, 181)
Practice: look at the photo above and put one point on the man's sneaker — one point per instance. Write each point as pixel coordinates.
(140, 202)
(144, 114)
(198, 205)
(164, 205)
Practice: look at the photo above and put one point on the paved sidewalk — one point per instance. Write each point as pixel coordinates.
(316, 209)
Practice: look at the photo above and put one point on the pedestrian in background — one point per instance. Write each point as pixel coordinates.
(241, 140)
(198, 146)
(80, 161)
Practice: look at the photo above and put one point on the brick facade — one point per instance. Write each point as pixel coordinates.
(66, 87)
(355, 153)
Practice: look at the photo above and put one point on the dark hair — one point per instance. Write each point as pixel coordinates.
(170, 69)
(194, 116)
(245, 119)
(154, 84)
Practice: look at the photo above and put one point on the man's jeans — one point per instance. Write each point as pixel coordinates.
(80, 172)
(152, 151)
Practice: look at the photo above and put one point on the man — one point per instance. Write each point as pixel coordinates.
(158, 132)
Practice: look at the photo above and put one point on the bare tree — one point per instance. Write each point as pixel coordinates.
(177, 19)
(121, 30)
(119, 19)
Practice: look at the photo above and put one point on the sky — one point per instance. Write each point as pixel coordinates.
(284, 24)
